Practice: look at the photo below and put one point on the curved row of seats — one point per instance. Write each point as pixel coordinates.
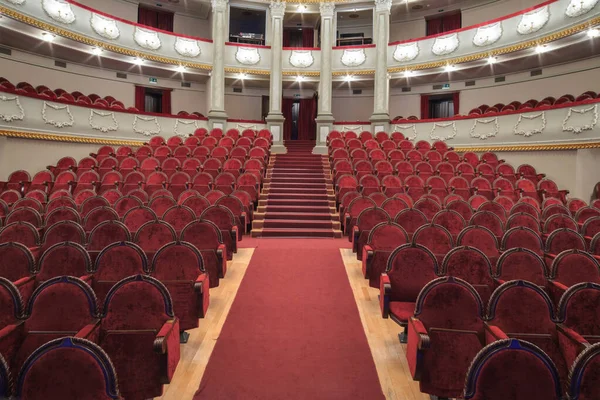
(414, 238)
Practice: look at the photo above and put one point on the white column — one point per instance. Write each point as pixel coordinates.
(217, 118)
(275, 118)
(381, 114)
(325, 117)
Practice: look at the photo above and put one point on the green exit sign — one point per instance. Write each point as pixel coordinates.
(153, 80)
(297, 95)
(446, 86)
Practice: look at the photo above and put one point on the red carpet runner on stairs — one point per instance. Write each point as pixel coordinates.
(297, 198)
(293, 331)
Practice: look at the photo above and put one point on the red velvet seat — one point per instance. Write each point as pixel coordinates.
(410, 267)
(62, 214)
(161, 204)
(579, 310)
(9, 196)
(548, 188)
(404, 169)
(179, 266)
(512, 369)
(411, 219)
(435, 238)
(471, 265)
(450, 220)
(366, 220)
(351, 212)
(488, 220)
(115, 262)
(523, 237)
(97, 215)
(393, 206)
(461, 207)
(208, 239)
(63, 231)
(586, 213)
(144, 345)
(481, 238)
(126, 203)
(521, 263)
(561, 240)
(571, 267)
(444, 335)
(154, 234)
(559, 221)
(524, 207)
(106, 233)
(61, 306)
(179, 216)
(415, 187)
(225, 220)
(523, 220)
(583, 377)
(212, 166)
(381, 241)
(16, 262)
(213, 195)
(29, 203)
(241, 212)
(202, 182)
(20, 232)
(25, 214)
(428, 207)
(460, 185)
(91, 203)
(138, 216)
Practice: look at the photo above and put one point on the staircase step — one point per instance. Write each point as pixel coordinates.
(326, 216)
(297, 202)
(300, 233)
(296, 209)
(296, 196)
(304, 224)
(296, 190)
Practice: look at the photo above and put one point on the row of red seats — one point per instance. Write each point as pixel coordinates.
(532, 103)
(136, 337)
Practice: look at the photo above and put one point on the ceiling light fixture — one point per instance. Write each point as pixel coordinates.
(180, 68)
(97, 51)
(409, 73)
(301, 8)
(299, 78)
(492, 60)
(348, 78)
(242, 76)
(450, 68)
(48, 37)
(138, 61)
(593, 32)
(542, 48)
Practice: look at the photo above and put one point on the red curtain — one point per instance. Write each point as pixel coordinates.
(456, 101)
(444, 23)
(434, 26)
(424, 106)
(308, 37)
(140, 98)
(306, 123)
(286, 38)
(452, 22)
(286, 109)
(155, 18)
(166, 101)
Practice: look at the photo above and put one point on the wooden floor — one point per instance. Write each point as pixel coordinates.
(382, 334)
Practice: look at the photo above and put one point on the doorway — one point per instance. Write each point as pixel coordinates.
(295, 119)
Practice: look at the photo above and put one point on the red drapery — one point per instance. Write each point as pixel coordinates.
(424, 106)
(434, 26)
(456, 101)
(140, 98)
(286, 108)
(166, 101)
(444, 23)
(286, 38)
(452, 22)
(308, 37)
(155, 18)
(306, 119)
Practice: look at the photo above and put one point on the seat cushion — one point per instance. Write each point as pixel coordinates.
(401, 310)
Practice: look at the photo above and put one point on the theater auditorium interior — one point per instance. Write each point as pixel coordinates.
(266, 200)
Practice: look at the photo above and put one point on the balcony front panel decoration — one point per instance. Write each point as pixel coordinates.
(354, 58)
(249, 57)
(543, 23)
(84, 24)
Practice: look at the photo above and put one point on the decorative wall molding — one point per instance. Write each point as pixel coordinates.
(445, 45)
(353, 57)
(487, 134)
(94, 121)
(246, 126)
(443, 125)
(105, 27)
(406, 52)
(533, 21)
(247, 55)
(16, 2)
(383, 6)
(17, 115)
(327, 9)
(580, 7)
(590, 112)
(301, 58)
(55, 109)
(187, 123)
(69, 138)
(146, 38)
(533, 119)
(187, 47)
(348, 128)
(146, 130)
(59, 11)
(487, 35)
(413, 127)
(277, 9)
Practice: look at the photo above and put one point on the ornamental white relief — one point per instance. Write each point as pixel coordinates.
(11, 109)
(530, 124)
(247, 55)
(241, 127)
(403, 128)
(146, 38)
(489, 128)
(57, 115)
(105, 27)
(586, 119)
(406, 52)
(188, 127)
(533, 21)
(354, 128)
(445, 45)
(187, 47)
(354, 57)
(16, 2)
(59, 11)
(99, 121)
(146, 125)
(580, 7)
(444, 126)
(489, 34)
(301, 58)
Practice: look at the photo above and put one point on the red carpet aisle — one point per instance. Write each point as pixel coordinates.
(297, 198)
(293, 331)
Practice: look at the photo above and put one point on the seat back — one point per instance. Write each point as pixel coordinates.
(564, 239)
(154, 234)
(451, 220)
(434, 237)
(488, 220)
(98, 215)
(91, 203)
(481, 238)
(471, 265)
(25, 214)
(583, 378)
(461, 207)
(125, 204)
(66, 258)
(11, 303)
(512, 369)
(411, 219)
(138, 216)
(521, 263)
(579, 309)
(428, 207)
(179, 216)
(16, 261)
(410, 267)
(64, 231)
(20, 232)
(575, 266)
(559, 221)
(106, 233)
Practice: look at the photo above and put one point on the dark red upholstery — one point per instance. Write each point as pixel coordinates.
(66, 258)
(521, 263)
(482, 239)
(436, 238)
(382, 240)
(579, 310)
(179, 216)
(208, 239)
(63, 231)
(106, 233)
(366, 220)
(225, 220)
(16, 261)
(410, 219)
(20, 232)
(585, 375)
(11, 304)
(153, 235)
(138, 216)
(571, 267)
(98, 215)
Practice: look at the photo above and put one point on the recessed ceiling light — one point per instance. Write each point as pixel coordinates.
(449, 68)
(299, 78)
(593, 32)
(138, 61)
(242, 76)
(180, 68)
(542, 48)
(48, 37)
(492, 60)
(301, 8)
(97, 51)
(348, 78)
(409, 73)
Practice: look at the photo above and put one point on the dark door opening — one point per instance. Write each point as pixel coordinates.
(153, 100)
(295, 119)
(441, 106)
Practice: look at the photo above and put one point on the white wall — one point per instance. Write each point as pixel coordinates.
(245, 105)
(191, 26)
(478, 14)
(348, 107)
(407, 30)
(405, 105)
(41, 71)
(359, 25)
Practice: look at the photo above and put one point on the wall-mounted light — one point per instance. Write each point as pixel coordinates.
(542, 48)
(449, 68)
(138, 61)
(408, 73)
(97, 51)
(180, 68)
(301, 8)
(242, 76)
(299, 78)
(492, 60)
(348, 78)
(48, 37)
(593, 32)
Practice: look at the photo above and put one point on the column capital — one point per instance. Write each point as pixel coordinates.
(327, 9)
(383, 5)
(219, 5)
(277, 9)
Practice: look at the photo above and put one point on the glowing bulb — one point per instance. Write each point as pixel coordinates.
(348, 78)
(593, 32)
(48, 37)
(138, 61)
(97, 51)
(492, 60)
(180, 68)
(409, 73)
(541, 49)
(449, 68)
(299, 78)
(301, 8)
(242, 76)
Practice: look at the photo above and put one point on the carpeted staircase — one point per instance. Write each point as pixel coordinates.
(297, 199)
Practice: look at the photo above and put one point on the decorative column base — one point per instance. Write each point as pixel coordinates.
(275, 125)
(380, 123)
(217, 119)
(324, 127)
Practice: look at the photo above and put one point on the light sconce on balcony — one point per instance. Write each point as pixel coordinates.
(301, 8)
(348, 78)
(138, 61)
(450, 68)
(492, 60)
(180, 68)
(242, 76)
(542, 48)
(299, 78)
(593, 32)
(48, 37)
(97, 51)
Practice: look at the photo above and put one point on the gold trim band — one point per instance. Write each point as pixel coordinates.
(236, 70)
(69, 138)
(301, 73)
(530, 147)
